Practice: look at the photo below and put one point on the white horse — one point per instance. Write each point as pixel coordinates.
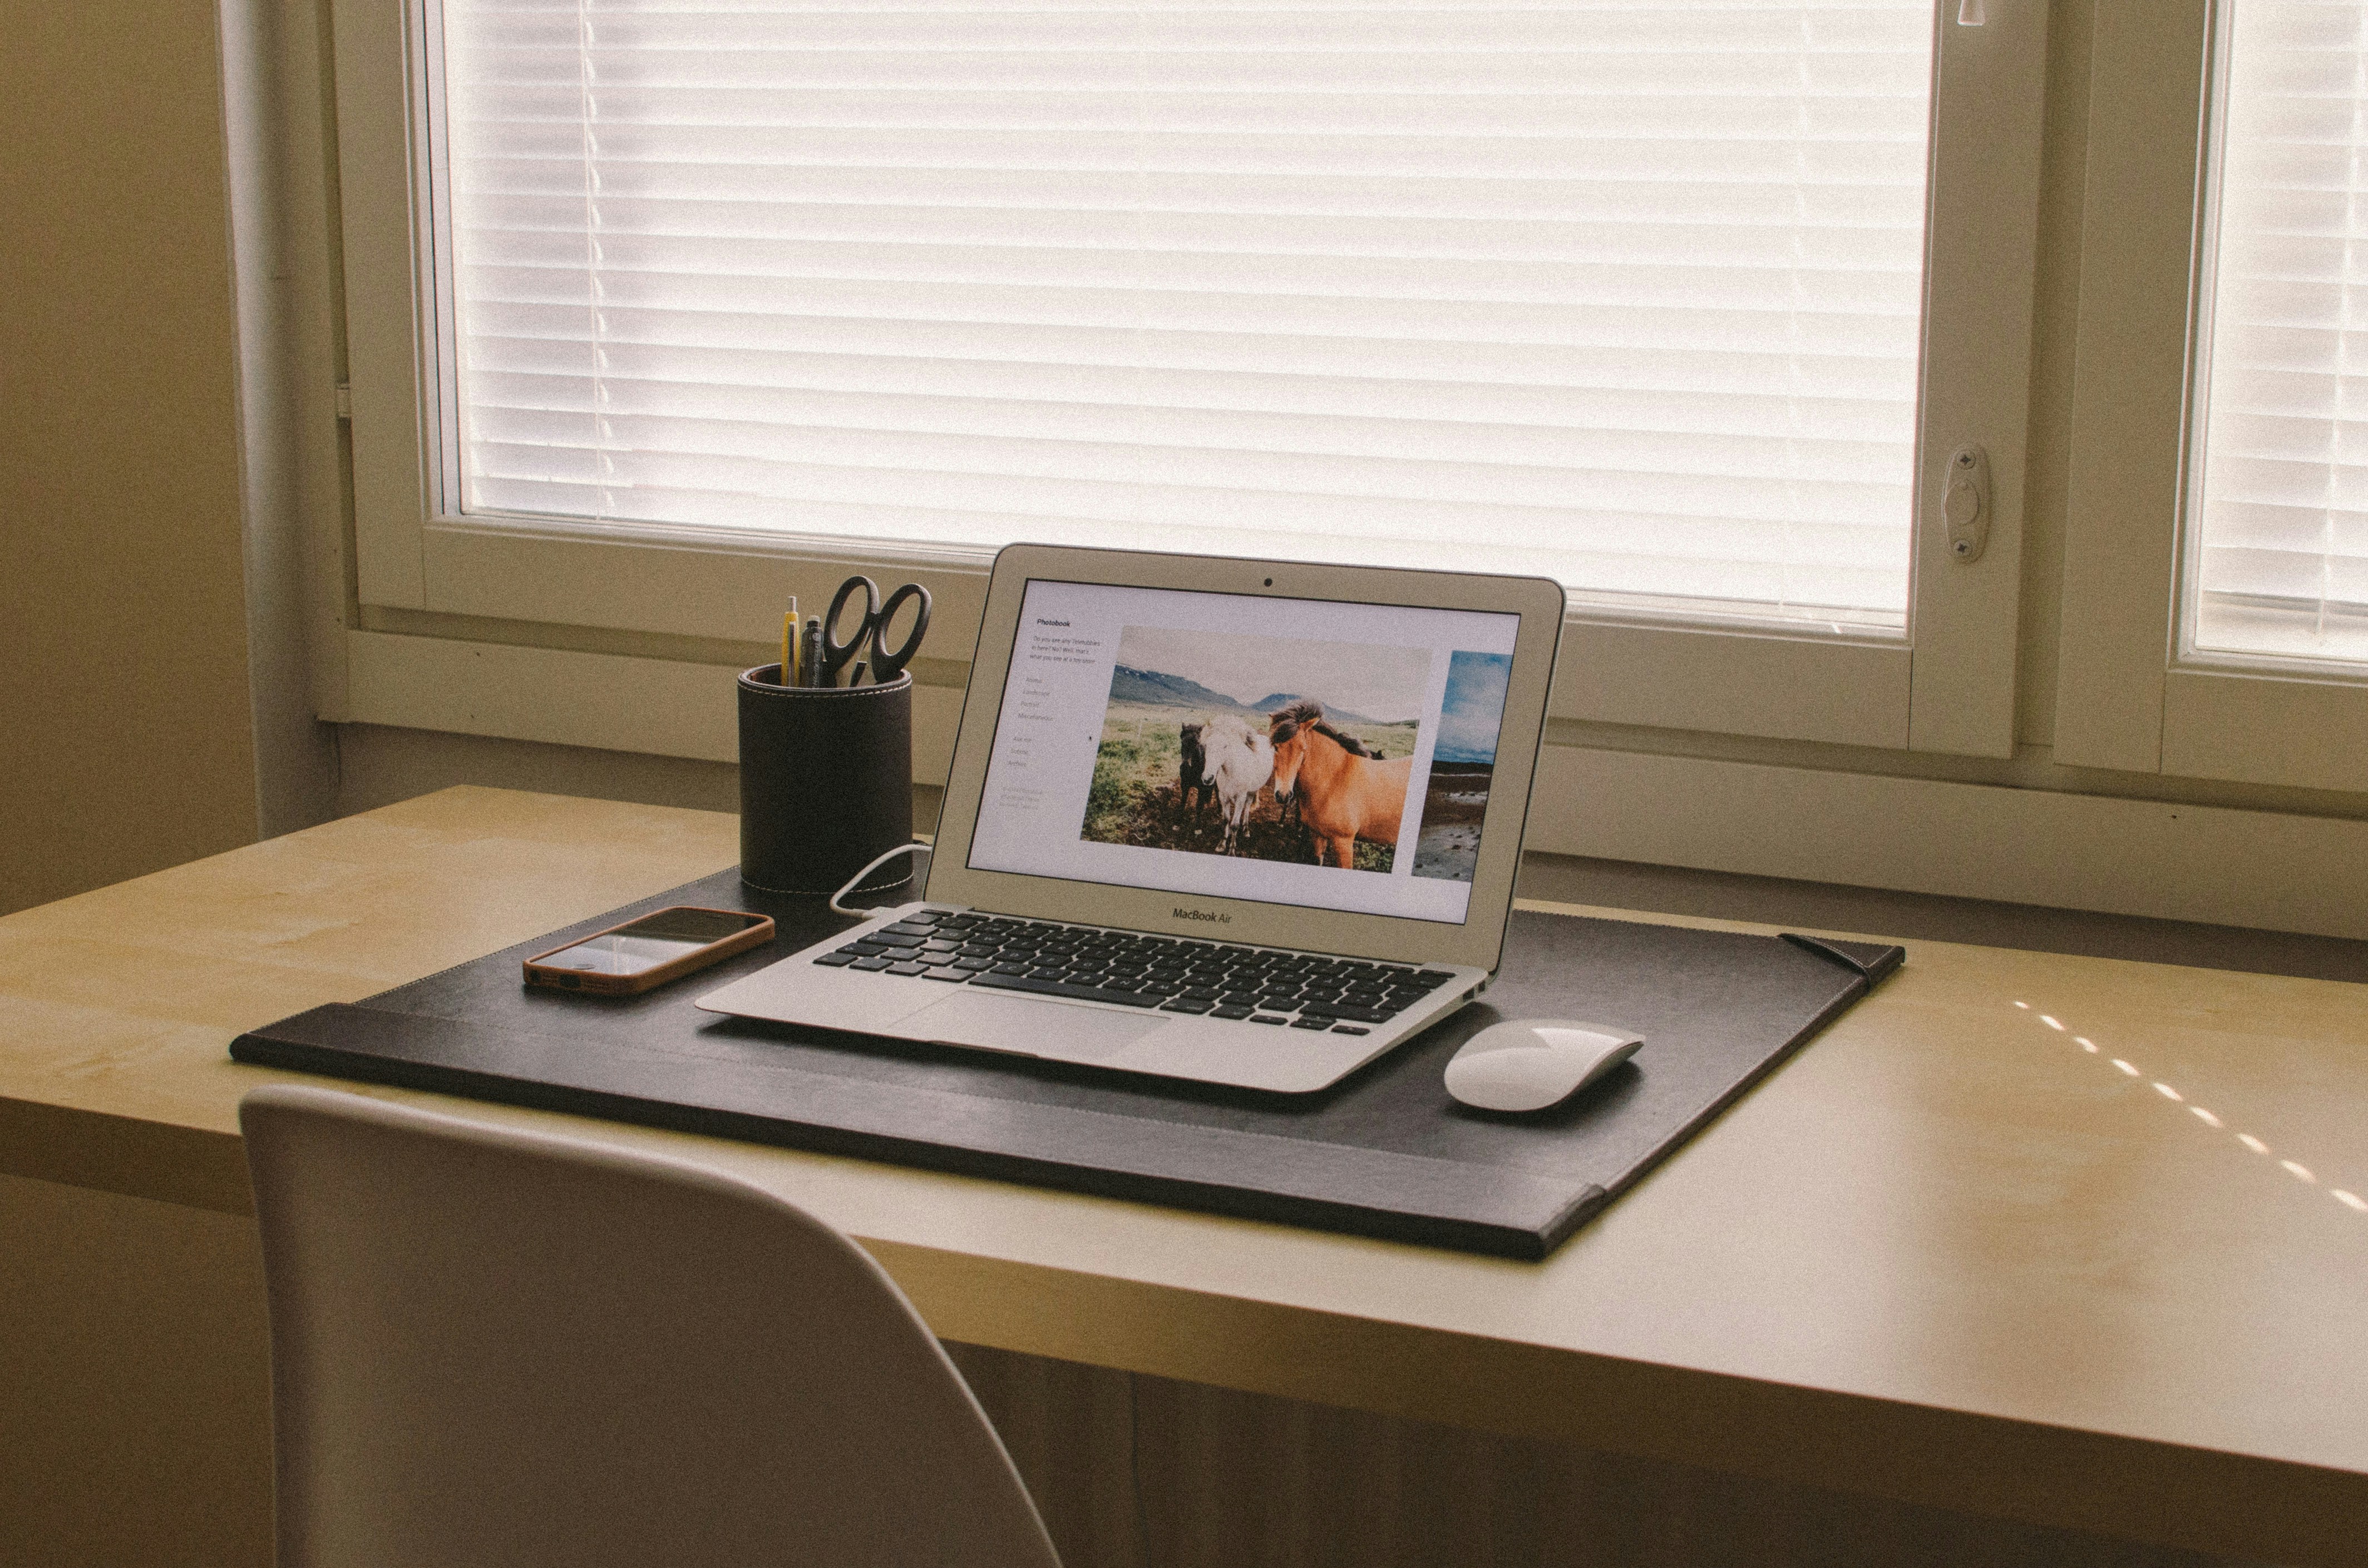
(1239, 762)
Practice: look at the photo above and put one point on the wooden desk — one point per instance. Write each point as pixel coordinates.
(1948, 1256)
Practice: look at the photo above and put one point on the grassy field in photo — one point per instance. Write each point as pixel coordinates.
(1136, 798)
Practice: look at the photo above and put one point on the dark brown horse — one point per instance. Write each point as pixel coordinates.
(1345, 795)
(1192, 789)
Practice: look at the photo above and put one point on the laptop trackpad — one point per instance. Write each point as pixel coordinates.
(1027, 1028)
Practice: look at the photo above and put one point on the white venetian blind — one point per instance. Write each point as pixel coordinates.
(1620, 292)
(2281, 562)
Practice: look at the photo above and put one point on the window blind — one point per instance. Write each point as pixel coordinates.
(1623, 292)
(2279, 562)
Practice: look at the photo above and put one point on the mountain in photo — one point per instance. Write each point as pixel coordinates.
(1273, 700)
(1156, 689)
(1149, 686)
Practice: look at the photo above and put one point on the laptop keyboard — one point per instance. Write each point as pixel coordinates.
(1173, 974)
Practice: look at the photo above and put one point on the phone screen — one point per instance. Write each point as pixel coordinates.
(649, 941)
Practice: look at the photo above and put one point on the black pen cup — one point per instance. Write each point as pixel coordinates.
(826, 782)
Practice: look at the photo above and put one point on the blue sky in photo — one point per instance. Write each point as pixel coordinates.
(1475, 708)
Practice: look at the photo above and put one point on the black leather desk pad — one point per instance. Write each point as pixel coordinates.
(1384, 1152)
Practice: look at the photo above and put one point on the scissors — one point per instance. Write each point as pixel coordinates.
(885, 666)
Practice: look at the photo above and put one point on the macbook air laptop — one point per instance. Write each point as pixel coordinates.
(1241, 822)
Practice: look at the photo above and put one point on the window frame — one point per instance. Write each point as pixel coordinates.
(2128, 696)
(422, 573)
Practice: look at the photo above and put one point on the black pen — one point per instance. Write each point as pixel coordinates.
(810, 653)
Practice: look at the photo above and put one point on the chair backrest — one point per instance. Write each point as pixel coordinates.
(491, 1347)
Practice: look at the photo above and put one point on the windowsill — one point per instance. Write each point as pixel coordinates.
(1757, 822)
(1828, 907)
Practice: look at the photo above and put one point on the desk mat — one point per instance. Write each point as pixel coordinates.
(1384, 1152)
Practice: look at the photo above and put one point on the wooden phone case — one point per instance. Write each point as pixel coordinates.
(580, 983)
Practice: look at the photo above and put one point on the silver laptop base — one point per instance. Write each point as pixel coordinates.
(1262, 1017)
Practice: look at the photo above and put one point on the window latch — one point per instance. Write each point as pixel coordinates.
(1966, 504)
(1970, 14)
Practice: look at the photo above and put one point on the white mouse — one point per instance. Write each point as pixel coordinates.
(1530, 1063)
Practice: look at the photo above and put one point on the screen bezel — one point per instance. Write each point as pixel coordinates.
(1478, 941)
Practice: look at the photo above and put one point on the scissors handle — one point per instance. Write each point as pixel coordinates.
(886, 666)
(836, 653)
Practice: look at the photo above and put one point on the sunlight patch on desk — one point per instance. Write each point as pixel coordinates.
(2294, 1168)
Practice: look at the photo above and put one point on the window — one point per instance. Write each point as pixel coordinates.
(1624, 294)
(2278, 559)
(656, 314)
(2208, 432)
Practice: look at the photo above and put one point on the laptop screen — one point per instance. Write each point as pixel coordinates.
(1322, 754)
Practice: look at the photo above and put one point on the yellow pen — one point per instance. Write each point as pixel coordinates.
(789, 643)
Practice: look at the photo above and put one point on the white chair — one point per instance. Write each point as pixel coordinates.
(509, 1348)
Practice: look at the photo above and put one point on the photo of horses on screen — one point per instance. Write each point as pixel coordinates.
(1272, 748)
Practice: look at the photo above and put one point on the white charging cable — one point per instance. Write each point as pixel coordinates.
(916, 846)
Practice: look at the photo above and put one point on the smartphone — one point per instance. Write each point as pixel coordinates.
(627, 959)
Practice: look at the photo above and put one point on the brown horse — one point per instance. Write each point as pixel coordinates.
(1344, 794)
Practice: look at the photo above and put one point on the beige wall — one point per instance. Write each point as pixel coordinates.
(135, 1415)
(123, 677)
